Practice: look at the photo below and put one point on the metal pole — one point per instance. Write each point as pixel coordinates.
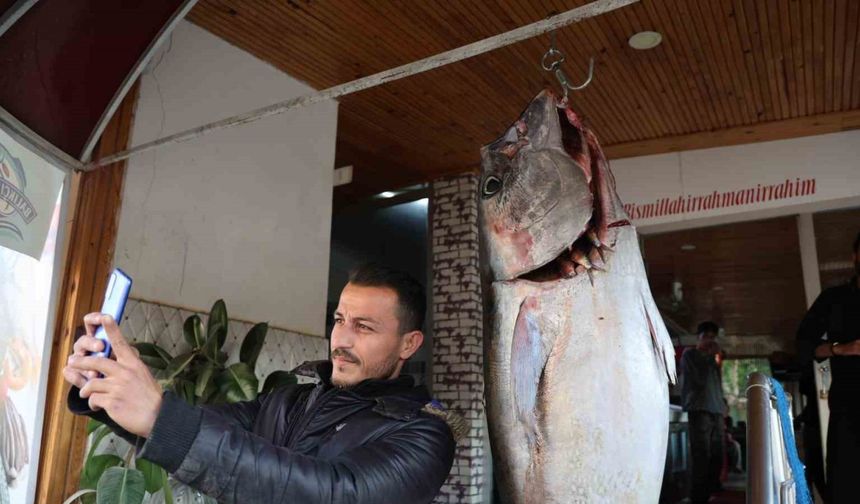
(759, 457)
(454, 55)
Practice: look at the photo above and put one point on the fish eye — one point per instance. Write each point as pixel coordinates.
(492, 185)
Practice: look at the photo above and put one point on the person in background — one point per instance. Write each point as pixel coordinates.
(702, 398)
(831, 329)
(733, 448)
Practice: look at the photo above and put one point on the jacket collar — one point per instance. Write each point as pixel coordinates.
(399, 398)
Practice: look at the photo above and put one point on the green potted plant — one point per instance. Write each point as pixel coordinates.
(200, 376)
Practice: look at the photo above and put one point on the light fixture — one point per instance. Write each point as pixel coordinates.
(645, 40)
(387, 194)
(688, 247)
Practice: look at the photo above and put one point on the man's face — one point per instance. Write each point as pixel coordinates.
(708, 337)
(708, 342)
(366, 341)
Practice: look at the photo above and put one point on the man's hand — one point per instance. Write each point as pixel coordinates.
(128, 392)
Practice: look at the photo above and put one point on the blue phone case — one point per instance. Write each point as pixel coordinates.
(116, 296)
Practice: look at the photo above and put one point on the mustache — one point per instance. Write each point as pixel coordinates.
(345, 355)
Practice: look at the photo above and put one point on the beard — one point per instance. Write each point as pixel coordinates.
(380, 371)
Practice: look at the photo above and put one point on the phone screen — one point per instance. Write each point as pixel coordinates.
(116, 295)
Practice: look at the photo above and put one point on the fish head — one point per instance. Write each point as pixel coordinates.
(544, 186)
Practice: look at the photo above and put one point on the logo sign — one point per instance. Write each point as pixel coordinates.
(29, 187)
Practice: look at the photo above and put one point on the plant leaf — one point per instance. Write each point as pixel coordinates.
(178, 364)
(93, 424)
(79, 494)
(217, 325)
(184, 388)
(121, 485)
(153, 355)
(211, 349)
(98, 435)
(95, 467)
(253, 344)
(151, 474)
(205, 380)
(168, 492)
(192, 329)
(278, 379)
(238, 383)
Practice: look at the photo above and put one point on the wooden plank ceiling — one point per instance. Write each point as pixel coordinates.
(747, 277)
(746, 69)
(835, 233)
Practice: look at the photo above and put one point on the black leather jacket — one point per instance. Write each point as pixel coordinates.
(305, 444)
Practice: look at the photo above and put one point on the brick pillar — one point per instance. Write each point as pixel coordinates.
(458, 379)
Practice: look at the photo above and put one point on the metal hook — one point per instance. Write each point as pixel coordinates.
(551, 62)
(567, 83)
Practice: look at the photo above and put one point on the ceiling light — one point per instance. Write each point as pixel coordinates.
(387, 194)
(645, 40)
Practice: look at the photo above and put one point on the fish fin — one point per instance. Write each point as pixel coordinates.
(529, 354)
(661, 340)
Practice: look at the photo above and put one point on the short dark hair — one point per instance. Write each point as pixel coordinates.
(857, 243)
(708, 326)
(410, 293)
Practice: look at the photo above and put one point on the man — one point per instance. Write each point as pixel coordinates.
(836, 314)
(702, 398)
(364, 434)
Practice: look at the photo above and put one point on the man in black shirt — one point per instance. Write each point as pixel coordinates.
(702, 396)
(836, 315)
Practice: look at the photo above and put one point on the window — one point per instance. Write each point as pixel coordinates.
(27, 289)
(735, 374)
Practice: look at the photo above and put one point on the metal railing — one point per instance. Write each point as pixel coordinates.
(759, 450)
(769, 473)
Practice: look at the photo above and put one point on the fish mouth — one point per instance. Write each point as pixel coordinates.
(586, 255)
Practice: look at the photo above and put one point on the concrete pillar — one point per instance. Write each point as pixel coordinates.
(808, 257)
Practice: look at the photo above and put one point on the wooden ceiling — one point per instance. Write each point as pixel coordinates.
(747, 277)
(835, 233)
(728, 71)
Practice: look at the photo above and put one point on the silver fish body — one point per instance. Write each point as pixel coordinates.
(577, 359)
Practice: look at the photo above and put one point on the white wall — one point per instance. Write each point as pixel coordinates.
(242, 214)
(832, 161)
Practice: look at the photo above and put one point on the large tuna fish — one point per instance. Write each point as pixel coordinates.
(577, 357)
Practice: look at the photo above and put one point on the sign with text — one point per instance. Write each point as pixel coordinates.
(729, 180)
(29, 187)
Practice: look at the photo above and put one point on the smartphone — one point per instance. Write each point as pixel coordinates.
(116, 296)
